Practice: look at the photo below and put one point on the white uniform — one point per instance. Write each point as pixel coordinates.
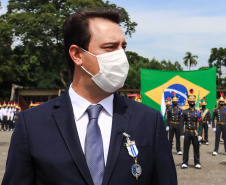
(0, 114)
(5, 112)
(10, 114)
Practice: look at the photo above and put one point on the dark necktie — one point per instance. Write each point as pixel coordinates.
(94, 145)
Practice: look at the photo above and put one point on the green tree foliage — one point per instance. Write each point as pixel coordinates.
(6, 62)
(138, 62)
(33, 28)
(189, 60)
(218, 59)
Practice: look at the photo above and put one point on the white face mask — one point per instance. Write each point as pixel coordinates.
(114, 68)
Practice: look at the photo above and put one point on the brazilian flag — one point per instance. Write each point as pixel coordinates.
(156, 84)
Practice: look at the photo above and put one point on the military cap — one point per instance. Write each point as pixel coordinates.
(168, 101)
(221, 97)
(204, 102)
(4, 104)
(191, 97)
(174, 98)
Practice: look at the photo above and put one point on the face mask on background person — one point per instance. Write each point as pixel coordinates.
(192, 105)
(114, 68)
(221, 104)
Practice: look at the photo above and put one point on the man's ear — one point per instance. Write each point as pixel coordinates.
(75, 55)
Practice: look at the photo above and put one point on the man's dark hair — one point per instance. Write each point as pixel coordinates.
(76, 28)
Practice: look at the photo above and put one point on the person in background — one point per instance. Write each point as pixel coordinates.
(0, 113)
(10, 117)
(4, 117)
(206, 120)
(191, 119)
(173, 123)
(17, 107)
(220, 126)
(168, 105)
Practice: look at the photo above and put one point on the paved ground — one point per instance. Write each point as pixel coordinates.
(4, 146)
(212, 173)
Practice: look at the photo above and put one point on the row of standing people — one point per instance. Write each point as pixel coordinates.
(8, 115)
(189, 124)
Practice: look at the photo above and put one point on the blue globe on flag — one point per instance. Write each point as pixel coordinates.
(181, 92)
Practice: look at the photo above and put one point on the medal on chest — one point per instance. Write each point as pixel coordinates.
(133, 152)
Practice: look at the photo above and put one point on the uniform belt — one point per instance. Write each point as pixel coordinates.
(221, 123)
(204, 121)
(191, 131)
(175, 122)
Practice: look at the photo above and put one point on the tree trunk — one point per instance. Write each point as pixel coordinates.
(62, 79)
(189, 64)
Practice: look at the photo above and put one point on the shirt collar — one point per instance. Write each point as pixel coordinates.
(80, 104)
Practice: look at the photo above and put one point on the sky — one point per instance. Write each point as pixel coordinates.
(167, 29)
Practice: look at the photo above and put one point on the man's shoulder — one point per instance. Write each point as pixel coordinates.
(45, 108)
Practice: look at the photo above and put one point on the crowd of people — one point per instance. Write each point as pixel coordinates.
(8, 115)
(192, 125)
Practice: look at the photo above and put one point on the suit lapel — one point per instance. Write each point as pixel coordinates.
(119, 125)
(64, 117)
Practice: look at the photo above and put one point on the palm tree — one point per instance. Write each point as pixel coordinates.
(189, 60)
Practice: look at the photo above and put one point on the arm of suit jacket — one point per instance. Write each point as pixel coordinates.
(19, 168)
(164, 167)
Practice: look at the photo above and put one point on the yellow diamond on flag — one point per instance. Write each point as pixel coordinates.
(156, 94)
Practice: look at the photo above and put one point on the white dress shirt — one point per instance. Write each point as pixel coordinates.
(80, 105)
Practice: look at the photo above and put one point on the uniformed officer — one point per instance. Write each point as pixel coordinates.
(224, 107)
(168, 102)
(168, 105)
(31, 104)
(4, 117)
(16, 114)
(0, 113)
(173, 123)
(11, 116)
(219, 113)
(191, 118)
(206, 120)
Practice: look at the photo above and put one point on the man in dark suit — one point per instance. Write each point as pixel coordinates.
(79, 138)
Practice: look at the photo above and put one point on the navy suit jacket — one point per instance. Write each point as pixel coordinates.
(45, 147)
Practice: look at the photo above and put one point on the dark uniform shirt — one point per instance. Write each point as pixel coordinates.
(219, 114)
(191, 119)
(173, 115)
